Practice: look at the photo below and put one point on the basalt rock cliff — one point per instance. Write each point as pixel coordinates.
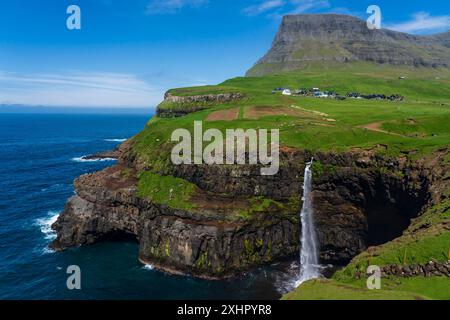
(360, 199)
(181, 105)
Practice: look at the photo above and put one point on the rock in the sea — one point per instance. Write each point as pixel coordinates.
(112, 154)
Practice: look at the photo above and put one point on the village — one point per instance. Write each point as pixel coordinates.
(317, 93)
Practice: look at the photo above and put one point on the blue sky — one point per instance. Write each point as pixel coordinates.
(128, 53)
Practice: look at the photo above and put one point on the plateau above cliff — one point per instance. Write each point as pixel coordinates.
(328, 39)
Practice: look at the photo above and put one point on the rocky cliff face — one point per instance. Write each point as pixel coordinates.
(329, 38)
(360, 200)
(178, 106)
(106, 206)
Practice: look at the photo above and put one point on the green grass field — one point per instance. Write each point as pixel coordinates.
(416, 126)
(392, 288)
(167, 190)
(332, 290)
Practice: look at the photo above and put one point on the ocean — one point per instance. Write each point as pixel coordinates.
(40, 155)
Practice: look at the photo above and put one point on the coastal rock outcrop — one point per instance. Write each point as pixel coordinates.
(431, 268)
(220, 97)
(177, 105)
(106, 206)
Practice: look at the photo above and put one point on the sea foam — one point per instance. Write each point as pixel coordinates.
(115, 140)
(82, 159)
(148, 267)
(45, 224)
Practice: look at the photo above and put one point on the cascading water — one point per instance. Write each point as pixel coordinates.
(309, 262)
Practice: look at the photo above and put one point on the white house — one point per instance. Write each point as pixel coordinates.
(287, 92)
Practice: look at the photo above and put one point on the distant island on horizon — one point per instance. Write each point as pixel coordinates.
(21, 108)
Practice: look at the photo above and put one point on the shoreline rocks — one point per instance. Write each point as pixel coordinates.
(429, 269)
(111, 154)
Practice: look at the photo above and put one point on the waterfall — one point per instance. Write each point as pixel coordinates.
(309, 262)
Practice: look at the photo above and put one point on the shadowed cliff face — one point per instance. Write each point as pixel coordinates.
(330, 38)
(357, 208)
(360, 200)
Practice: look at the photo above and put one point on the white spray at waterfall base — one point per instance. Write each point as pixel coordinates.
(309, 261)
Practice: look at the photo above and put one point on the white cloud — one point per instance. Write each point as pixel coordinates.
(172, 6)
(278, 8)
(302, 6)
(263, 7)
(422, 22)
(78, 89)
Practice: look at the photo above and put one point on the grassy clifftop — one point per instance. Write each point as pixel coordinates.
(414, 128)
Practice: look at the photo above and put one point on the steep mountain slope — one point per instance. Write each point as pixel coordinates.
(443, 38)
(303, 40)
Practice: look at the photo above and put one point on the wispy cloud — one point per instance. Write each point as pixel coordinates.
(263, 6)
(301, 6)
(422, 22)
(171, 6)
(78, 89)
(278, 8)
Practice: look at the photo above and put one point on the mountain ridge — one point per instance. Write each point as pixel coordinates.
(331, 38)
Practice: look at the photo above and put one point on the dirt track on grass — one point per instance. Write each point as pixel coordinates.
(376, 127)
(223, 115)
(258, 112)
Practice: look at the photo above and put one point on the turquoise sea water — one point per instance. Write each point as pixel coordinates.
(39, 158)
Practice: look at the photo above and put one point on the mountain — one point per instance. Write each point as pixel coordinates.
(442, 38)
(303, 40)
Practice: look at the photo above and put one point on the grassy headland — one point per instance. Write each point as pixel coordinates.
(413, 128)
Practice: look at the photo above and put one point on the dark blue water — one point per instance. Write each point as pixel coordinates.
(38, 162)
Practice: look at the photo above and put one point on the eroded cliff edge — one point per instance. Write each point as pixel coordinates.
(238, 219)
